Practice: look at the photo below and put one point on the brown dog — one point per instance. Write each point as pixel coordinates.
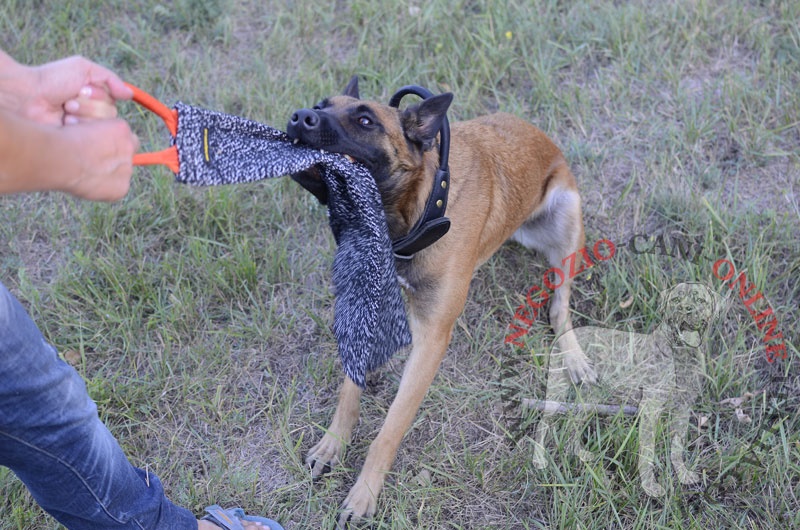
(508, 181)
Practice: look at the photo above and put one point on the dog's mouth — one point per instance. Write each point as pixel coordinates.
(316, 130)
(349, 158)
(690, 334)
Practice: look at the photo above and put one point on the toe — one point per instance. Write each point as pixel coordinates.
(319, 468)
(345, 517)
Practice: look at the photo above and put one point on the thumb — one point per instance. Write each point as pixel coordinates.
(99, 75)
(118, 89)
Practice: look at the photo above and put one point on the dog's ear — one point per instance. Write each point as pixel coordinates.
(421, 122)
(352, 88)
(721, 303)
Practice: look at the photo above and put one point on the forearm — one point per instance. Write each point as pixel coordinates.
(32, 155)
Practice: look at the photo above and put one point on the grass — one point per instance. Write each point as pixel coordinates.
(200, 318)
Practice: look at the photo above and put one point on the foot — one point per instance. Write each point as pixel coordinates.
(580, 369)
(653, 488)
(233, 518)
(687, 477)
(362, 501)
(325, 455)
(583, 454)
(539, 459)
(650, 486)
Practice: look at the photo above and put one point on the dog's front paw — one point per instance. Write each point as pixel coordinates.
(539, 458)
(685, 476)
(652, 488)
(583, 454)
(359, 505)
(580, 369)
(688, 477)
(325, 455)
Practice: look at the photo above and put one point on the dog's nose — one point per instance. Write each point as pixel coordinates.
(304, 118)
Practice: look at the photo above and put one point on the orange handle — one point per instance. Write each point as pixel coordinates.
(168, 157)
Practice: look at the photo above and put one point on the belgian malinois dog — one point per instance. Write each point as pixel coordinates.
(508, 181)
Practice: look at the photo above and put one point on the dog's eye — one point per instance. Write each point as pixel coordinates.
(364, 121)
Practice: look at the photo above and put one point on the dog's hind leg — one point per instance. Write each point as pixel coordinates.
(556, 230)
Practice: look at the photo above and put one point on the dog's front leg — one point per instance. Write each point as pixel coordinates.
(430, 340)
(330, 449)
(680, 428)
(649, 411)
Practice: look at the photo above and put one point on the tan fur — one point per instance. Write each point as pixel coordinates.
(508, 181)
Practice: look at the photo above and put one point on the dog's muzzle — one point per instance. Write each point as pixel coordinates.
(689, 319)
(309, 127)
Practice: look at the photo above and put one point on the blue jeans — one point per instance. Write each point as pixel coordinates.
(53, 440)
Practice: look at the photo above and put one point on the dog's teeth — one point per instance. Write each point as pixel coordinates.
(296, 141)
(350, 158)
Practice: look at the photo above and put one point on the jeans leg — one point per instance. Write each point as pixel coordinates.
(52, 438)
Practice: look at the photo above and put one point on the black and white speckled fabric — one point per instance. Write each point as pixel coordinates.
(369, 321)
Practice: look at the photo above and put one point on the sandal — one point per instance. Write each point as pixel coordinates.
(229, 519)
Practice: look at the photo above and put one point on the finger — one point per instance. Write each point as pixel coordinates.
(99, 75)
(95, 93)
(92, 103)
(89, 112)
(92, 73)
(100, 92)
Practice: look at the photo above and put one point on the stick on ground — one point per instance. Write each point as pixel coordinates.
(563, 408)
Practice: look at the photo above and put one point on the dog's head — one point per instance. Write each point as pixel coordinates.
(688, 310)
(390, 142)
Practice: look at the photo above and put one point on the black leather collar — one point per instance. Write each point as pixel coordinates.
(433, 224)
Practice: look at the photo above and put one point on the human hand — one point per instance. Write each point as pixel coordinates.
(92, 158)
(92, 103)
(100, 159)
(41, 93)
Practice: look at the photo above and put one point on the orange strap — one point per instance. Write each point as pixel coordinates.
(168, 157)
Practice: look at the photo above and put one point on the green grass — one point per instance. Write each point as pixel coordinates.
(200, 318)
